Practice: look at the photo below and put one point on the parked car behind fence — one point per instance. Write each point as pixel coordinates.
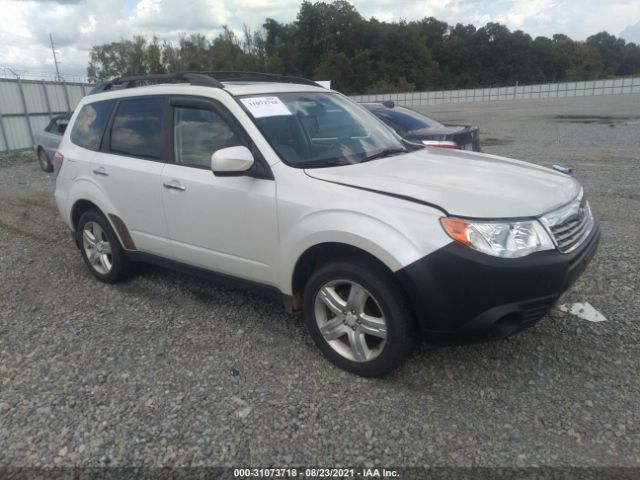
(47, 140)
(418, 128)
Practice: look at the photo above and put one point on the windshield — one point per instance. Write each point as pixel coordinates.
(406, 119)
(314, 129)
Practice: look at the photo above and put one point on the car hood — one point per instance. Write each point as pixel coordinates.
(463, 184)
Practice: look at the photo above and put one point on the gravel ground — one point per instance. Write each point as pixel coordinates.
(166, 369)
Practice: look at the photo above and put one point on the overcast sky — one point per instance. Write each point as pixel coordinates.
(77, 25)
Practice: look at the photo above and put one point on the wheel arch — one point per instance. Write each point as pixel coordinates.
(320, 253)
(83, 205)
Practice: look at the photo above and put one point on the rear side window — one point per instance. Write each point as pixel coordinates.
(89, 125)
(137, 128)
(407, 120)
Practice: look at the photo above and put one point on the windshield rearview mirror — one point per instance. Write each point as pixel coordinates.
(231, 161)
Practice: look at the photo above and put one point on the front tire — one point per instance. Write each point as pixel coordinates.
(359, 318)
(44, 161)
(100, 248)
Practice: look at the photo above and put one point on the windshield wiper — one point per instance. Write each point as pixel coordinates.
(323, 163)
(387, 152)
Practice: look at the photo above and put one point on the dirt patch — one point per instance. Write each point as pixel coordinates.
(15, 229)
(11, 159)
(30, 216)
(611, 120)
(41, 201)
(492, 141)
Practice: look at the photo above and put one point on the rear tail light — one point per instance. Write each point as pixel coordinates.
(441, 144)
(58, 158)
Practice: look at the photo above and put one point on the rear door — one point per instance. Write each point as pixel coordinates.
(129, 166)
(223, 223)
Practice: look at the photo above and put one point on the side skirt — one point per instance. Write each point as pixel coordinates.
(216, 277)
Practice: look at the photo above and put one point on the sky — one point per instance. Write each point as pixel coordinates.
(77, 25)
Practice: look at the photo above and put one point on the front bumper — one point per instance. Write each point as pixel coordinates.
(459, 294)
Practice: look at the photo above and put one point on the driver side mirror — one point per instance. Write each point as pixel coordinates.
(231, 161)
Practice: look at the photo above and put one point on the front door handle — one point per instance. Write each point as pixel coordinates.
(174, 186)
(101, 171)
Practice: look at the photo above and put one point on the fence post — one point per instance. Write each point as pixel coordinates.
(26, 112)
(4, 133)
(46, 98)
(66, 95)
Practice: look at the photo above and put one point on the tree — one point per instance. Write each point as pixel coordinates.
(332, 41)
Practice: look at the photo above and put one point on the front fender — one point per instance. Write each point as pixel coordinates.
(382, 240)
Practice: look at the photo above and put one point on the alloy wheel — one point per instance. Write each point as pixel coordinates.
(97, 248)
(350, 320)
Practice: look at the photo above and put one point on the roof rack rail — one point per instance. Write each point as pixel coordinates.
(194, 78)
(247, 76)
(203, 79)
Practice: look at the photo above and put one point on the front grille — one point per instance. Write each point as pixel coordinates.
(570, 225)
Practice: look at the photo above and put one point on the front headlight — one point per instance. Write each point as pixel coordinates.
(500, 239)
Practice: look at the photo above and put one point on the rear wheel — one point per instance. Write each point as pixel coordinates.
(43, 160)
(359, 317)
(101, 249)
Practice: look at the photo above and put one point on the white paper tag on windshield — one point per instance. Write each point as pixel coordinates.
(265, 106)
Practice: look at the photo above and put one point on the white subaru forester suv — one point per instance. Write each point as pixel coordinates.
(279, 185)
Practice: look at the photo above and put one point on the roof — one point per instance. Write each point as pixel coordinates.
(380, 105)
(241, 88)
(234, 88)
(234, 82)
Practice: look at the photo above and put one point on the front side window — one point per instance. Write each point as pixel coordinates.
(90, 124)
(60, 126)
(317, 129)
(137, 128)
(198, 133)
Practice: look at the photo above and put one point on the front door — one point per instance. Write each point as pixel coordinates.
(225, 224)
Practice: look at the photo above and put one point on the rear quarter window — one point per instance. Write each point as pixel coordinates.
(137, 127)
(90, 124)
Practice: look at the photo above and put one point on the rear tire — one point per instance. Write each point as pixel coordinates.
(359, 317)
(44, 161)
(100, 248)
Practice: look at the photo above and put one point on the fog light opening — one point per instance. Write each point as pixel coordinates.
(507, 325)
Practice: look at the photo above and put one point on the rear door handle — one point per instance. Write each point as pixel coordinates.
(101, 171)
(174, 186)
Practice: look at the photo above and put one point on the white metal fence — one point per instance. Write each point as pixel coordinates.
(27, 106)
(548, 90)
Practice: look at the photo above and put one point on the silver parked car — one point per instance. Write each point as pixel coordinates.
(47, 140)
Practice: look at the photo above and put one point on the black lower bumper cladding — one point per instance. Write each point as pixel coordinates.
(460, 295)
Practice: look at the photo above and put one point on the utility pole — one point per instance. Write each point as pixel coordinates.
(55, 60)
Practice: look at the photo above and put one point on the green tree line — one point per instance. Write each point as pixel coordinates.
(332, 41)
